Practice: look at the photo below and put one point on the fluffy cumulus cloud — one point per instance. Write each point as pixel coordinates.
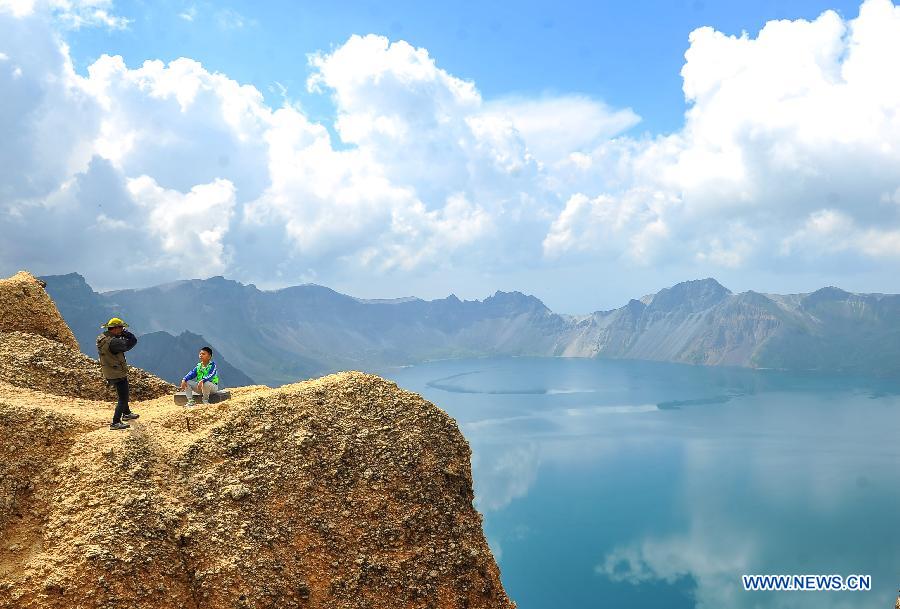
(82, 176)
(47, 117)
(421, 178)
(444, 178)
(788, 154)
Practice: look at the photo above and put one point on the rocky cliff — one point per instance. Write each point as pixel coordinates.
(702, 322)
(343, 491)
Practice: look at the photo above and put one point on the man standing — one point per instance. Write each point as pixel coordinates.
(112, 345)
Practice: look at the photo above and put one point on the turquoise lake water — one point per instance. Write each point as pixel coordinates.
(639, 484)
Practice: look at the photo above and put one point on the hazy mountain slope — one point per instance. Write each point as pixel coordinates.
(82, 308)
(282, 335)
(250, 331)
(701, 322)
(160, 352)
(839, 331)
(279, 336)
(171, 357)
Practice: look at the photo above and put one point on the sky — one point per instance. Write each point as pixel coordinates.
(586, 153)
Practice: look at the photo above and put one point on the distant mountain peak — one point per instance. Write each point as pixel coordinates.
(515, 300)
(823, 295)
(708, 283)
(693, 295)
(634, 308)
(72, 275)
(515, 294)
(220, 280)
(830, 292)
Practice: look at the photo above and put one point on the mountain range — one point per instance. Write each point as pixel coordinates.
(168, 356)
(279, 336)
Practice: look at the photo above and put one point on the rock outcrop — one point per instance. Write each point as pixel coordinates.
(39, 351)
(29, 360)
(342, 491)
(25, 306)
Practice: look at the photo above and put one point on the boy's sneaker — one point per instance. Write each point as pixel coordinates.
(189, 404)
(119, 425)
(130, 416)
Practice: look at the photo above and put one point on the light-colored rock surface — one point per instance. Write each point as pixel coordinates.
(25, 306)
(342, 491)
(29, 360)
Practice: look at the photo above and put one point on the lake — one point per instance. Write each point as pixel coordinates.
(620, 484)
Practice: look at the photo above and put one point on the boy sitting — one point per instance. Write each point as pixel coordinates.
(207, 378)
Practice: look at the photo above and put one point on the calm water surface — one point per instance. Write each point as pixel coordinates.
(639, 484)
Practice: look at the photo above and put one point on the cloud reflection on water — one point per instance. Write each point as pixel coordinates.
(672, 481)
(763, 486)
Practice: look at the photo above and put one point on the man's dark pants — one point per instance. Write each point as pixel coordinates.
(121, 386)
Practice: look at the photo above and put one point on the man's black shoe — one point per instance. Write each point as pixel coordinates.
(119, 425)
(130, 416)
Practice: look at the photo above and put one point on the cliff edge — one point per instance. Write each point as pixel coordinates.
(342, 491)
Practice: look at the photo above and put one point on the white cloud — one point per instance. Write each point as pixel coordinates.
(73, 14)
(830, 231)
(790, 125)
(160, 119)
(631, 225)
(190, 226)
(230, 19)
(46, 114)
(429, 175)
(18, 8)
(72, 144)
(788, 150)
(557, 127)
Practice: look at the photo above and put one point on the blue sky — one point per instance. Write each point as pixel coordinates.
(628, 54)
(586, 153)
